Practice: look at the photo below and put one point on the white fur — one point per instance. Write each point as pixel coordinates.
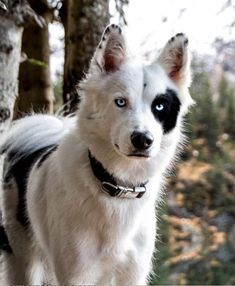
(79, 235)
(28, 134)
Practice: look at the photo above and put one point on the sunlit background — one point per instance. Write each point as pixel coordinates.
(151, 23)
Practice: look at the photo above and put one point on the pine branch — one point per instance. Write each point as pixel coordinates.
(21, 12)
(119, 4)
(3, 6)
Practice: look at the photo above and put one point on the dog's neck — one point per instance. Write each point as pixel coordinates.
(109, 183)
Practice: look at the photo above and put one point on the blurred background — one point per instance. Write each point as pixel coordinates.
(47, 45)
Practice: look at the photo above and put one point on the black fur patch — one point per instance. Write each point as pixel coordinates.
(4, 114)
(180, 35)
(107, 30)
(46, 155)
(4, 243)
(20, 172)
(168, 115)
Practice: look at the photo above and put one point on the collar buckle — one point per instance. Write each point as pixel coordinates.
(123, 192)
(109, 185)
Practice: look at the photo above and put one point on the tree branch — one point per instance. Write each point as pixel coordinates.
(21, 12)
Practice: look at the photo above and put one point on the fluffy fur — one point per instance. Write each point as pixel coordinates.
(75, 233)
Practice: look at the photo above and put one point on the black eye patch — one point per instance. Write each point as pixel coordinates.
(165, 108)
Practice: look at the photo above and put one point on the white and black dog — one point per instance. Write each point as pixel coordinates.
(79, 194)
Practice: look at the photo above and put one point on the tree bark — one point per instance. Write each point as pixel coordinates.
(84, 21)
(35, 86)
(13, 15)
(10, 48)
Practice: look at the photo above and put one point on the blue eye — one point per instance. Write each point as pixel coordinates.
(120, 102)
(160, 107)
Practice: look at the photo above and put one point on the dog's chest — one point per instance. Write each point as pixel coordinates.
(112, 249)
(113, 230)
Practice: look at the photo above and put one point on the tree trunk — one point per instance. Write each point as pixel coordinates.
(13, 14)
(35, 87)
(84, 21)
(10, 48)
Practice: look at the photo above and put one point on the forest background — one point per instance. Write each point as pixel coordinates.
(38, 73)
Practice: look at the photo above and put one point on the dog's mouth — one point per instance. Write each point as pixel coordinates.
(133, 154)
(142, 155)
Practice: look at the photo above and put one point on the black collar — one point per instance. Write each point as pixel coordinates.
(109, 184)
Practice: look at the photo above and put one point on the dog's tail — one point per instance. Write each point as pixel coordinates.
(33, 133)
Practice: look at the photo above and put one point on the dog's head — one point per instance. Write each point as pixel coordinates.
(130, 111)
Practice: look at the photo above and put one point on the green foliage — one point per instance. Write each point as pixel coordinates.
(224, 275)
(204, 116)
(206, 192)
(37, 62)
(161, 269)
(218, 184)
(204, 274)
(230, 114)
(58, 86)
(224, 91)
(209, 118)
(226, 103)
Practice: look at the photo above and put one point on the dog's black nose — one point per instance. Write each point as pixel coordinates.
(141, 140)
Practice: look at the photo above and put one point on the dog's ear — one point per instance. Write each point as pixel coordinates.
(175, 59)
(111, 51)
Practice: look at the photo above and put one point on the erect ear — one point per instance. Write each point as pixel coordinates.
(175, 59)
(111, 51)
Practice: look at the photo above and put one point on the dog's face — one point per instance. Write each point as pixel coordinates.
(129, 108)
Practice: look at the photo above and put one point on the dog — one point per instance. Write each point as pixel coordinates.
(80, 193)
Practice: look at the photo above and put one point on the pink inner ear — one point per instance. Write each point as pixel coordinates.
(113, 58)
(175, 73)
(175, 70)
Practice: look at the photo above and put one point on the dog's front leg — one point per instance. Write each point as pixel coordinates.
(133, 273)
(67, 272)
(138, 264)
(73, 267)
